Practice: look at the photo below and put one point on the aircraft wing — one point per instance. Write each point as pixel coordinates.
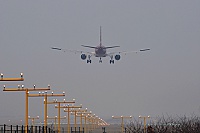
(73, 51)
(127, 52)
(141, 50)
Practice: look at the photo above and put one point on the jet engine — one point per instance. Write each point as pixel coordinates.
(117, 57)
(83, 56)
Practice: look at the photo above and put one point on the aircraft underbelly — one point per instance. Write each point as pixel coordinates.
(100, 53)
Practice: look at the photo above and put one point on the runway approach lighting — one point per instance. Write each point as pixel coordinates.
(76, 112)
(68, 114)
(12, 79)
(54, 118)
(33, 119)
(122, 120)
(144, 118)
(45, 95)
(22, 88)
(58, 105)
(85, 114)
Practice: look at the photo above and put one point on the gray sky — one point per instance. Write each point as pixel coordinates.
(164, 80)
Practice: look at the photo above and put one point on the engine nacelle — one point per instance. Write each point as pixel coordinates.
(83, 56)
(117, 57)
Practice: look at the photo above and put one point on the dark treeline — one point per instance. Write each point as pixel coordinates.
(179, 124)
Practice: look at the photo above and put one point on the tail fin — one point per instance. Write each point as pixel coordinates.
(100, 37)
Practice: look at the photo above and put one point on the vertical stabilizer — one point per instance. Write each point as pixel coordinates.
(100, 37)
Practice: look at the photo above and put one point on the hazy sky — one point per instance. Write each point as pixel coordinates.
(164, 80)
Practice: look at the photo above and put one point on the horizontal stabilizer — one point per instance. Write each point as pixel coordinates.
(56, 48)
(112, 47)
(144, 49)
(88, 46)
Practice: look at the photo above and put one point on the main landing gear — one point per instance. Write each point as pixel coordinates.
(89, 60)
(111, 60)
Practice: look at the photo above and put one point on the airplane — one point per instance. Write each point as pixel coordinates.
(100, 51)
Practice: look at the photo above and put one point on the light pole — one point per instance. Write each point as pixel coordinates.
(54, 118)
(85, 116)
(68, 114)
(33, 122)
(96, 121)
(122, 120)
(58, 106)
(144, 117)
(82, 113)
(75, 115)
(81, 116)
(91, 118)
(21, 88)
(33, 119)
(103, 123)
(45, 95)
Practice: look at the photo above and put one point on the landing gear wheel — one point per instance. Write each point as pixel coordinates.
(111, 61)
(88, 61)
(100, 61)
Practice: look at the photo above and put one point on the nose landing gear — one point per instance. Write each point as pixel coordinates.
(100, 61)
